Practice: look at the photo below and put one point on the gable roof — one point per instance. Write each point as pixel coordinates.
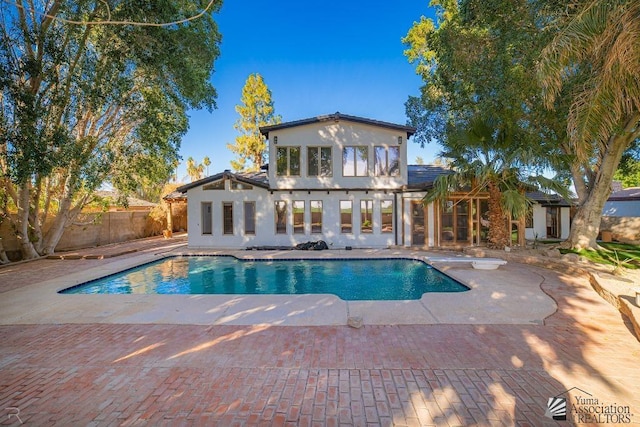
(336, 117)
(259, 179)
(628, 194)
(547, 200)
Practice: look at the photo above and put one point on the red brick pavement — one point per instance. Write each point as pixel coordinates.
(104, 375)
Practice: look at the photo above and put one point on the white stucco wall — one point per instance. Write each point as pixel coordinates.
(337, 135)
(265, 234)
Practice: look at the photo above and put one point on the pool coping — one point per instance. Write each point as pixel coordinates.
(510, 295)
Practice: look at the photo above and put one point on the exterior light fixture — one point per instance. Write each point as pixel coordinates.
(399, 140)
(275, 140)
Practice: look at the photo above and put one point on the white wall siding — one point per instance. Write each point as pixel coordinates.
(337, 135)
(265, 234)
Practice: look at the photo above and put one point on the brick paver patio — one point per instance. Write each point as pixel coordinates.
(108, 374)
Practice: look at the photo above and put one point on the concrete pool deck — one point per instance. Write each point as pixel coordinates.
(86, 361)
(509, 295)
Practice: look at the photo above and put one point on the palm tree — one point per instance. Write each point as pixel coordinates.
(206, 162)
(485, 158)
(195, 171)
(598, 48)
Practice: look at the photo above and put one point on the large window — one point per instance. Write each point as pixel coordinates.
(227, 217)
(346, 216)
(205, 213)
(319, 161)
(316, 216)
(249, 218)
(386, 210)
(355, 161)
(288, 161)
(298, 217)
(281, 217)
(455, 221)
(366, 216)
(387, 161)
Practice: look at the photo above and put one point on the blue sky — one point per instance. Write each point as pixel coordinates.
(316, 58)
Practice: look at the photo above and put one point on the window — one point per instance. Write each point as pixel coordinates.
(298, 217)
(281, 217)
(227, 217)
(288, 161)
(316, 216)
(235, 185)
(249, 218)
(219, 185)
(366, 216)
(319, 161)
(454, 219)
(387, 161)
(386, 209)
(355, 161)
(346, 216)
(205, 211)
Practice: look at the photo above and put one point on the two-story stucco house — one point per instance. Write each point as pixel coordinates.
(337, 178)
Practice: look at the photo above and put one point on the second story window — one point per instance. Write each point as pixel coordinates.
(355, 161)
(288, 161)
(387, 161)
(319, 161)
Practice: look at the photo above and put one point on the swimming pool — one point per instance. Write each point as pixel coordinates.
(349, 279)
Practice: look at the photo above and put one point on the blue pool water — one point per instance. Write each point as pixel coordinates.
(371, 279)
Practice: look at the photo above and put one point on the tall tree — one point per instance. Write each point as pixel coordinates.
(206, 162)
(484, 158)
(255, 111)
(481, 101)
(194, 170)
(89, 103)
(598, 46)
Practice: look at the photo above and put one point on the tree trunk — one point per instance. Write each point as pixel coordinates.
(499, 234)
(3, 255)
(22, 232)
(586, 223)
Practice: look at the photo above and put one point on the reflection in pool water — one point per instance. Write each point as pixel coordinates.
(349, 279)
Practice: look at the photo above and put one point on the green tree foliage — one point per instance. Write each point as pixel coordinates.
(255, 111)
(484, 158)
(598, 46)
(481, 101)
(628, 172)
(81, 105)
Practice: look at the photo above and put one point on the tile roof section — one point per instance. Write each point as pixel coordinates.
(627, 194)
(422, 176)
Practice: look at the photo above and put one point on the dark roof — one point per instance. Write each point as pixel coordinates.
(627, 194)
(547, 200)
(337, 117)
(422, 176)
(259, 179)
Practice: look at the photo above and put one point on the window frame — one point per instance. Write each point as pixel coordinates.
(288, 160)
(382, 220)
(276, 216)
(202, 218)
(366, 215)
(344, 225)
(386, 167)
(356, 149)
(318, 166)
(298, 228)
(227, 220)
(311, 202)
(252, 218)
